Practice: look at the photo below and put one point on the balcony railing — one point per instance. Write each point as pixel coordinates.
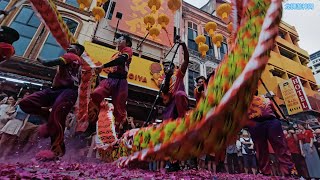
(196, 54)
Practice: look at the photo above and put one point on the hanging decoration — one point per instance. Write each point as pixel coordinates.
(223, 11)
(174, 5)
(163, 20)
(149, 21)
(202, 47)
(98, 13)
(211, 28)
(83, 4)
(154, 5)
(154, 32)
(217, 40)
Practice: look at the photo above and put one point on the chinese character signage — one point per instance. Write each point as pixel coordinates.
(294, 96)
(132, 22)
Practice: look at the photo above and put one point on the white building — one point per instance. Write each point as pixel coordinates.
(315, 65)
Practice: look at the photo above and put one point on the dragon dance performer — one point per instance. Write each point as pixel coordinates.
(268, 128)
(7, 37)
(173, 94)
(116, 85)
(61, 96)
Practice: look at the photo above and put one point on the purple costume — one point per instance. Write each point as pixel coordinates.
(61, 97)
(116, 86)
(177, 105)
(268, 128)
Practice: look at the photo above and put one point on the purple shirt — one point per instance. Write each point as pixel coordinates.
(261, 109)
(68, 75)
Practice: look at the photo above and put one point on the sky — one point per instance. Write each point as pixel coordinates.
(306, 22)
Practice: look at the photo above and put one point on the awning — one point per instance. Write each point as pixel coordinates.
(11, 77)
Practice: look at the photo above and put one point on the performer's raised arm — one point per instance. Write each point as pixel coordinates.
(184, 65)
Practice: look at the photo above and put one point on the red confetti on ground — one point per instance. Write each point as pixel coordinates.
(63, 170)
(45, 155)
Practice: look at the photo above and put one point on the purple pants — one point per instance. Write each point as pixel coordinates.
(61, 101)
(271, 130)
(118, 90)
(177, 107)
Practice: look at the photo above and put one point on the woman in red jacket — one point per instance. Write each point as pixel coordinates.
(293, 145)
(309, 151)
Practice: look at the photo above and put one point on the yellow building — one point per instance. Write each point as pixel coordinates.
(288, 60)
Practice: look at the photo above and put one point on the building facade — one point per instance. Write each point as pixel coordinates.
(35, 41)
(194, 21)
(315, 65)
(288, 60)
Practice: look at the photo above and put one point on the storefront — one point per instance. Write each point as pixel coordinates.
(19, 75)
(300, 107)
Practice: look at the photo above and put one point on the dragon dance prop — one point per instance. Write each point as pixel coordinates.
(218, 117)
(49, 15)
(106, 133)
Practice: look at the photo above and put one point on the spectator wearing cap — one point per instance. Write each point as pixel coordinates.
(7, 37)
(61, 96)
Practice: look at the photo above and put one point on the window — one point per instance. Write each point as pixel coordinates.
(26, 23)
(288, 53)
(282, 34)
(191, 82)
(278, 73)
(73, 3)
(192, 34)
(223, 49)
(193, 73)
(210, 44)
(51, 49)
(3, 4)
(109, 7)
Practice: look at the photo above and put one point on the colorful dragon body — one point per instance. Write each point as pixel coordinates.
(218, 117)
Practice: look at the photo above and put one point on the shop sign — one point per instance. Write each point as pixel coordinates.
(294, 96)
